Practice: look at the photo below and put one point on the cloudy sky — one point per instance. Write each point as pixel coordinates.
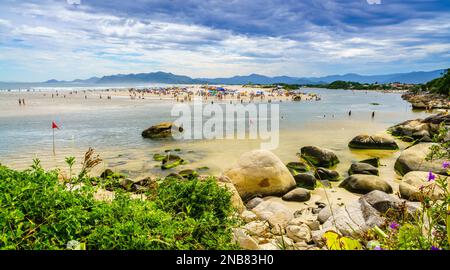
(44, 39)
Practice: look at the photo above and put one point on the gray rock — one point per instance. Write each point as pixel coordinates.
(354, 219)
(319, 157)
(305, 180)
(362, 183)
(413, 159)
(362, 168)
(277, 214)
(253, 203)
(372, 161)
(373, 142)
(326, 174)
(382, 201)
(297, 195)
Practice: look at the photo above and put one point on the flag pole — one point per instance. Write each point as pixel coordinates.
(53, 141)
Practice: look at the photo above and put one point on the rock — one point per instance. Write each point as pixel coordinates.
(353, 220)
(243, 240)
(361, 183)
(305, 180)
(297, 167)
(277, 214)
(412, 182)
(373, 142)
(107, 173)
(188, 174)
(310, 221)
(300, 233)
(171, 161)
(382, 201)
(253, 203)
(248, 216)
(126, 183)
(418, 129)
(260, 172)
(372, 161)
(362, 168)
(319, 157)
(257, 228)
(175, 175)
(413, 159)
(326, 174)
(161, 130)
(297, 195)
(284, 242)
(324, 214)
(236, 200)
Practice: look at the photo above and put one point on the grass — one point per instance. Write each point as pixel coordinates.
(37, 212)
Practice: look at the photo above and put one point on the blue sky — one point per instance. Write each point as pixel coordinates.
(61, 39)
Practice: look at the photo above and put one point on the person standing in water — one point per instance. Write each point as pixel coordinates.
(349, 113)
(20, 101)
(373, 114)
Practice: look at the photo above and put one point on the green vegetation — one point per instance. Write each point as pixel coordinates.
(39, 211)
(440, 85)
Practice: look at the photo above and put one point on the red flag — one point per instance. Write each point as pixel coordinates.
(54, 125)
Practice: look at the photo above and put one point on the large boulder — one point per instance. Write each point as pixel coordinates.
(354, 219)
(414, 159)
(362, 184)
(262, 173)
(161, 130)
(412, 184)
(373, 142)
(362, 168)
(421, 130)
(319, 157)
(297, 195)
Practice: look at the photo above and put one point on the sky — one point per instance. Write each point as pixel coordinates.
(71, 39)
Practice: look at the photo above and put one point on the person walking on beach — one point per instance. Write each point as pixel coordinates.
(373, 114)
(20, 101)
(349, 113)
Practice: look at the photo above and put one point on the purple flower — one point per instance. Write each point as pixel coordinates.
(435, 248)
(394, 225)
(445, 164)
(431, 176)
(377, 248)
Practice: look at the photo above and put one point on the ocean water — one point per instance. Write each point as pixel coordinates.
(113, 128)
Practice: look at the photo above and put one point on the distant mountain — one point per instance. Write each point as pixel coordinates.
(411, 77)
(154, 77)
(169, 78)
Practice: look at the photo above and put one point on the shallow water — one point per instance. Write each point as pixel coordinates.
(113, 128)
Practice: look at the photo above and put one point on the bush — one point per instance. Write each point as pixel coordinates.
(38, 212)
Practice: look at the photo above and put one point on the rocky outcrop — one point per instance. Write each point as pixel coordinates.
(319, 157)
(427, 101)
(414, 159)
(262, 173)
(421, 130)
(161, 130)
(362, 184)
(373, 142)
(362, 168)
